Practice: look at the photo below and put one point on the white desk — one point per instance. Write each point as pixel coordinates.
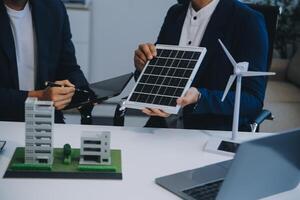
(146, 154)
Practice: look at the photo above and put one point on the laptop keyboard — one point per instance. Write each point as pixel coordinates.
(205, 192)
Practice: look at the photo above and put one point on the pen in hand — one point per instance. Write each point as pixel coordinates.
(51, 84)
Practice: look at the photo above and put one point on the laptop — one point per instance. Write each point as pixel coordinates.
(261, 168)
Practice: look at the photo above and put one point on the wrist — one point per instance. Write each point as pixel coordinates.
(37, 93)
(199, 96)
(198, 100)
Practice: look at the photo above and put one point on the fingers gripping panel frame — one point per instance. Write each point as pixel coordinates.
(166, 78)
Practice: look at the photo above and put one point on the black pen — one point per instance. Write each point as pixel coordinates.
(51, 84)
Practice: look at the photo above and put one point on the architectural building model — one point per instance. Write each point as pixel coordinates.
(39, 159)
(95, 148)
(39, 120)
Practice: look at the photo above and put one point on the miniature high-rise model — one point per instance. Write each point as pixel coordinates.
(39, 118)
(95, 148)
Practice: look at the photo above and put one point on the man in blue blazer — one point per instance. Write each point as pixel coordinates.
(35, 47)
(202, 23)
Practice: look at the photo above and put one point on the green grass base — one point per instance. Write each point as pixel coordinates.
(97, 168)
(21, 166)
(17, 163)
(67, 161)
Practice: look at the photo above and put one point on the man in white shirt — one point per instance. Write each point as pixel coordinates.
(202, 23)
(195, 23)
(37, 47)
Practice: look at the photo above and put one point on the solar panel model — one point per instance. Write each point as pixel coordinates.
(165, 78)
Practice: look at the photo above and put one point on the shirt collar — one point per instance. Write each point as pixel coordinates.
(18, 13)
(205, 11)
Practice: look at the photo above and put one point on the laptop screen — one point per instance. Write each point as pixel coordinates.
(264, 167)
(111, 87)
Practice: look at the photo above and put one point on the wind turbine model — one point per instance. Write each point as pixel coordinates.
(240, 70)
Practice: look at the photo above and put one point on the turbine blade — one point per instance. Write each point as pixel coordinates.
(233, 62)
(254, 73)
(228, 86)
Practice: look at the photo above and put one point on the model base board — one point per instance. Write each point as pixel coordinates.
(17, 168)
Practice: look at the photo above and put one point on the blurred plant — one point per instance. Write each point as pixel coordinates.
(287, 33)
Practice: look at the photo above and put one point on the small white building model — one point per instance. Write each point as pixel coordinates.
(39, 120)
(95, 148)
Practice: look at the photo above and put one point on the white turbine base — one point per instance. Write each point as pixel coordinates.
(213, 146)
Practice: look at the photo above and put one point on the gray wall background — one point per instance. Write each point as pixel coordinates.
(118, 26)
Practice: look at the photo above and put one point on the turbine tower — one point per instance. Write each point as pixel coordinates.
(239, 70)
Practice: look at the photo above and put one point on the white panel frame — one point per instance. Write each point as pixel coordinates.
(168, 109)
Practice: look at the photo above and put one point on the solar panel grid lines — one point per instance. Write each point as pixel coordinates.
(167, 73)
(166, 77)
(160, 73)
(166, 80)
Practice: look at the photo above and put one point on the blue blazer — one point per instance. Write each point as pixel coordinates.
(243, 32)
(55, 56)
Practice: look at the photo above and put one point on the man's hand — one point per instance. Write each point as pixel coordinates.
(61, 96)
(144, 53)
(155, 112)
(191, 96)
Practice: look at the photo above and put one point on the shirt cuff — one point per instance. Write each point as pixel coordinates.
(201, 106)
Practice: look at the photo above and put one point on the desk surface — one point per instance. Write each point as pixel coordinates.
(159, 151)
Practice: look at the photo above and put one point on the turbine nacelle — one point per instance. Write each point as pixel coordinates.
(241, 67)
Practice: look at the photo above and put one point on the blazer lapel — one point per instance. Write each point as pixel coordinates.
(179, 25)
(8, 44)
(217, 22)
(39, 15)
(171, 32)
(213, 32)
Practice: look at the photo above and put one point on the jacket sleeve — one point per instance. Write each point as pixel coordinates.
(68, 67)
(252, 47)
(12, 104)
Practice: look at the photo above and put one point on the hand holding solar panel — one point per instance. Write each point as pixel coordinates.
(191, 97)
(166, 78)
(155, 112)
(144, 53)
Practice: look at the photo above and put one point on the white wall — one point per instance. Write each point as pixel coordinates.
(118, 26)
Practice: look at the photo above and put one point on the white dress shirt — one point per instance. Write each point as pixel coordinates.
(24, 38)
(195, 24)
